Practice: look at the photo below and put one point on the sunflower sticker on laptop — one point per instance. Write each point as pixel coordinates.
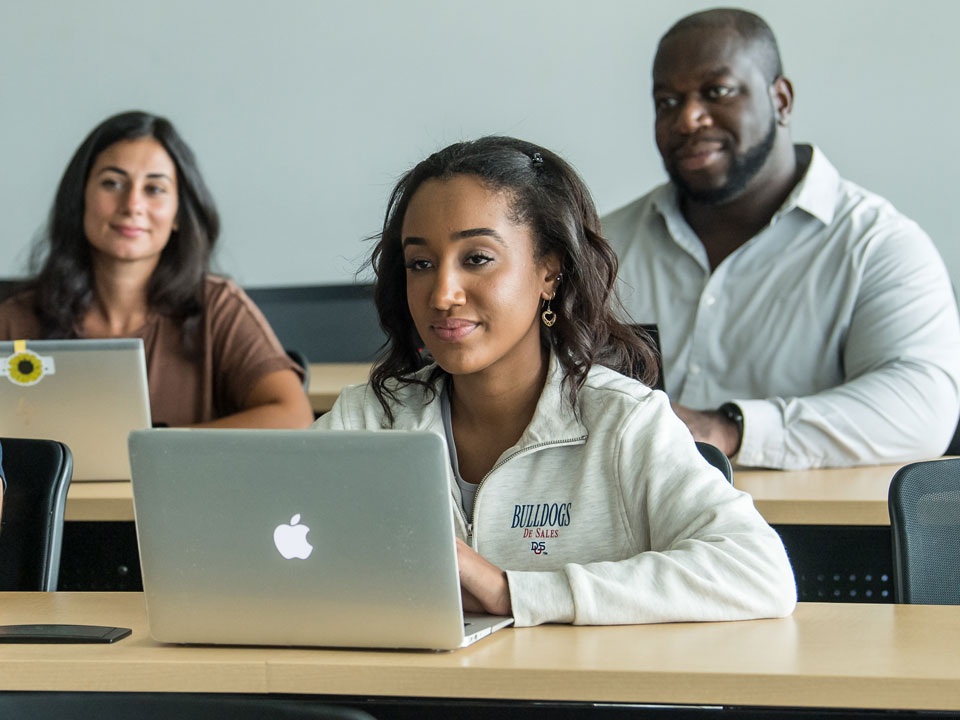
(25, 367)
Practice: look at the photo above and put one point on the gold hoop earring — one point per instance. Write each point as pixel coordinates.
(548, 316)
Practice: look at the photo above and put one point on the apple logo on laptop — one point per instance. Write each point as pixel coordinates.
(291, 540)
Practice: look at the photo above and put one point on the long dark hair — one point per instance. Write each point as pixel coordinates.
(546, 194)
(63, 285)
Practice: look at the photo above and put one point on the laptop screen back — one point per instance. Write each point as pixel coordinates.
(275, 537)
(88, 394)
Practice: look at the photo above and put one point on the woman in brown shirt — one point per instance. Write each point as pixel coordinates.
(126, 254)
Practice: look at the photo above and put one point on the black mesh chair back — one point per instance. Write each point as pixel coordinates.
(715, 457)
(924, 504)
(31, 528)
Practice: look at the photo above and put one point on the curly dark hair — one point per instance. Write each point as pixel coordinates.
(546, 194)
(63, 284)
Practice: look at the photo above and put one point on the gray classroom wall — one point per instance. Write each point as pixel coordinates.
(304, 112)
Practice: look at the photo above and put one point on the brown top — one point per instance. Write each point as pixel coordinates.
(237, 347)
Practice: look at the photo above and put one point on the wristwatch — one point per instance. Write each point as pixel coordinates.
(733, 413)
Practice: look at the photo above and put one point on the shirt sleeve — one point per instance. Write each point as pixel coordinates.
(244, 346)
(901, 363)
(707, 554)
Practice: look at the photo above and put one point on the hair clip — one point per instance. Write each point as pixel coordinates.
(537, 159)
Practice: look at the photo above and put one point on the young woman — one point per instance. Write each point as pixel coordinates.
(126, 254)
(578, 495)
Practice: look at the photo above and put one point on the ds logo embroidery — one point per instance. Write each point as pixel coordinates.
(538, 548)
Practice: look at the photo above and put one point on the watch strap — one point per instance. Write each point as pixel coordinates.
(733, 413)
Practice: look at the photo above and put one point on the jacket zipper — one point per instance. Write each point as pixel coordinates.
(501, 463)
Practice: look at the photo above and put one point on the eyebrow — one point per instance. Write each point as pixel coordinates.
(709, 76)
(722, 70)
(461, 235)
(121, 171)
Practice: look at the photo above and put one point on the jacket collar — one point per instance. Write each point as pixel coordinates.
(553, 420)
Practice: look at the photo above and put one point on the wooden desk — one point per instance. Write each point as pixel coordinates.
(849, 496)
(100, 502)
(835, 496)
(825, 655)
(328, 379)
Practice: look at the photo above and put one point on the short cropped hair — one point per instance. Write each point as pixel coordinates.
(751, 27)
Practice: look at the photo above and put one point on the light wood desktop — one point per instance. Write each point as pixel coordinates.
(832, 496)
(825, 655)
(845, 496)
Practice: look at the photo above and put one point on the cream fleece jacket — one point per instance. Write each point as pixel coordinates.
(605, 516)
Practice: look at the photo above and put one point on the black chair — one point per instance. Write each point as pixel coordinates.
(715, 457)
(300, 359)
(924, 502)
(954, 447)
(31, 529)
(650, 334)
(166, 706)
(328, 323)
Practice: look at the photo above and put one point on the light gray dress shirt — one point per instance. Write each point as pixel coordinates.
(834, 329)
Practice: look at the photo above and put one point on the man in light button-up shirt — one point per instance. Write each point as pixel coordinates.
(819, 320)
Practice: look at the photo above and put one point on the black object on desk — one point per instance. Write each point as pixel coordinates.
(61, 633)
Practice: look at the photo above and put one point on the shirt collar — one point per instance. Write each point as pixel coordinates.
(666, 201)
(816, 193)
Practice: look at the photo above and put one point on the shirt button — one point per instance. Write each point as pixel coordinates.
(694, 369)
(709, 300)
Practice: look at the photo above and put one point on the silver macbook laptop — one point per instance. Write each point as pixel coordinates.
(88, 394)
(273, 537)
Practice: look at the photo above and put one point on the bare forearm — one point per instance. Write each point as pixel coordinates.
(276, 400)
(274, 416)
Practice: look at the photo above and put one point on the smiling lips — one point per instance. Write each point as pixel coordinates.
(699, 154)
(128, 231)
(453, 329)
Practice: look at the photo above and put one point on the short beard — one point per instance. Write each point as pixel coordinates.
(742, 171)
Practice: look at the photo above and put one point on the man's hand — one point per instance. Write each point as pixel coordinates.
(711, 427)
(483, 585)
